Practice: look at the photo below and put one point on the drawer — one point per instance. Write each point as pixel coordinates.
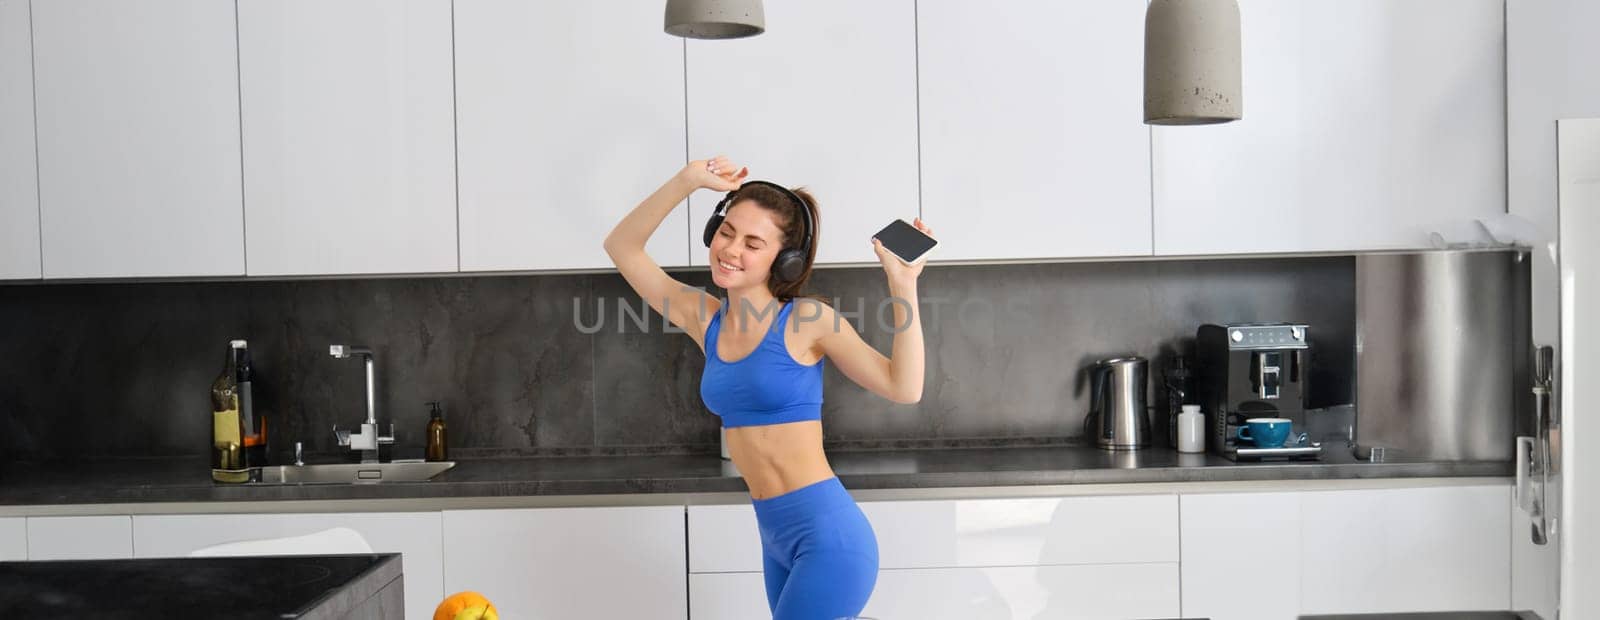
(80, 538)
(969, 533)
(724, 539)
(13, 539)
(998, 593)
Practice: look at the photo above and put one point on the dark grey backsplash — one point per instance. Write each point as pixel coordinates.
(123, 369)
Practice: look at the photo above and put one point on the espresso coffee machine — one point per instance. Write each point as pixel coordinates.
(1253, 370)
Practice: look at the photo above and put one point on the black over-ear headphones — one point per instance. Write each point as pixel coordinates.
(791, 262)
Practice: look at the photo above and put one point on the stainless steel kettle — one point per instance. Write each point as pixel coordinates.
(1117, 418)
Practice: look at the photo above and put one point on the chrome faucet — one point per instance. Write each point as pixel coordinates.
(367, 439)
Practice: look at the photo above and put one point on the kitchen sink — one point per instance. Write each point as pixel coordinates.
(354, 473)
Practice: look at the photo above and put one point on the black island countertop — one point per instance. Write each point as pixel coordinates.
(188, 480)
(304, 587)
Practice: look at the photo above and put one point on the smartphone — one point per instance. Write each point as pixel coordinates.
(905, 241)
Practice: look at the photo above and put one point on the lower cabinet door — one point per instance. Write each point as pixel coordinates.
(727, 596)
(414, 535)
(1267, 556)
(998, 593)
(1405, 550)
(1230, 539)
(554, 563)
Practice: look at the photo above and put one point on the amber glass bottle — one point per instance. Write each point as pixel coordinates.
(436, 435)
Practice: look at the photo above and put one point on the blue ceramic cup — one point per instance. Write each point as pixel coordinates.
(1264, 432)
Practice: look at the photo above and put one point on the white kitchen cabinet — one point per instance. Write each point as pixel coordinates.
(80, 538)
(19, 178)
(969, 533)
(1033, 142)
(1368, 124)
(729, 596)
(1002, 532)
(997, 593)
(826, 99)
(13, 539)
(1405, 550)
(1241, 556)
(1080, 591)
(568, 114)
(348, 136)
(138, 138)
(610, 562)
(1357, 551)
(414, 535)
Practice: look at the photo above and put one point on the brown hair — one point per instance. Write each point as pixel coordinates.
(791, 222)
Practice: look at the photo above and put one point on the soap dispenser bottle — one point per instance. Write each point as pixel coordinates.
(436, 434)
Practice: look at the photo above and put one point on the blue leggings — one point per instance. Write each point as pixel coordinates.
(821, 558)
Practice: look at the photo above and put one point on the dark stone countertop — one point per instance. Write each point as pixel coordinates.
(1433, 615)
(188, 480)
(236, 588)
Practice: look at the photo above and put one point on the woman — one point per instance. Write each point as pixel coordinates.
(763, 373)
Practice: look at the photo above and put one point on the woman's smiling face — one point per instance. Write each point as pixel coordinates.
(744, 246)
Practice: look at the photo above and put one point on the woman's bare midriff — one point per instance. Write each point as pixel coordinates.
(779, 458)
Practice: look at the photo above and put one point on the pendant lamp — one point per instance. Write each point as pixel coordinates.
(715, 19)
(1191, 62)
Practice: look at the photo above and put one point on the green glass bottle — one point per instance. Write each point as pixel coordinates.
(227, 430)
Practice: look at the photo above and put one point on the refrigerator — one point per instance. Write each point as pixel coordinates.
(1578, 173)
(1556, 515)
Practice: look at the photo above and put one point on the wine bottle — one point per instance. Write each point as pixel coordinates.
(227, 431)
(252, 423)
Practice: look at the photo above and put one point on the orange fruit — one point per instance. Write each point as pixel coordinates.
(467, 605)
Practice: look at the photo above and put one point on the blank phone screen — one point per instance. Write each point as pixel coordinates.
(905, 241)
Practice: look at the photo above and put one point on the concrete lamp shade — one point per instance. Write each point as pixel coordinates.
(715, 19)
(1191, 62)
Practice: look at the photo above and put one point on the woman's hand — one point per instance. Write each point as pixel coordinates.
(898, 271)
(717, 173)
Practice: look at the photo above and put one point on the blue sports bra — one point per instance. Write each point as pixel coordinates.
(765, 387)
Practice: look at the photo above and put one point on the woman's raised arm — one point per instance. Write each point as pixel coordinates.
(686, 307)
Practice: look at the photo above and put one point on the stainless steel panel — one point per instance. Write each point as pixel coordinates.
(1439, 337)
(353, 473)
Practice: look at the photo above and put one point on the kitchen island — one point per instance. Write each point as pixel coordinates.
(299, 587)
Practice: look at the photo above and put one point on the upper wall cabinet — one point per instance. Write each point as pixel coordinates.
(826, 98)
(19, 179)
(568, 114)
(138, 137)
(1033, 138)
(1367, 125)
(348, 136)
